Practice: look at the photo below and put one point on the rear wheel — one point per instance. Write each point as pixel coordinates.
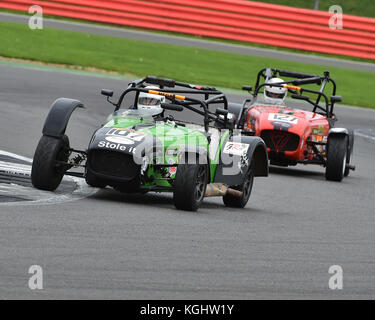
(47, 172)
(240, 202)
(336, 157)
(190, 186)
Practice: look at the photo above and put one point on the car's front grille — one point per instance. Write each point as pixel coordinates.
(114, 164)
(280, 140)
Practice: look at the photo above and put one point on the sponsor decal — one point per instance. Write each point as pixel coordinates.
(321, 139)
(172, 170)
(318, 138)
(171, 152)
(116, 146)
(118, 139)
(244, 163)
(124, 136)
(319, 130)
(235, 148)
(282, 118)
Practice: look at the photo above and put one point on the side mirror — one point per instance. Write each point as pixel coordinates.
(231, 119)
(160, 81)
(221, 112)
(299, 97)
(171, 106)
(247, 88)
(107, 93)
(335, 99)
(311, 80)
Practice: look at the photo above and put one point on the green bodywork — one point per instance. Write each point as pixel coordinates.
(173, 136)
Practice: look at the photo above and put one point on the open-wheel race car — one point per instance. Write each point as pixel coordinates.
(293, 135)
(140, 148)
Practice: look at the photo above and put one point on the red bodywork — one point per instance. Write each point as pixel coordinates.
(286, 132)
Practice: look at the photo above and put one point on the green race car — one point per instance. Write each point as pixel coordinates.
(142, 147)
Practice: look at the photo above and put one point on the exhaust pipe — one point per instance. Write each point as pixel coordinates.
(221, 189)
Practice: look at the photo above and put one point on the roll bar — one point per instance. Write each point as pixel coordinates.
(178, 93)
(294, 86)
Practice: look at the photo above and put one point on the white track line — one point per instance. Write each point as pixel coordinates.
(364, 135)
(15, 168)
(15, 156)
(35, 196)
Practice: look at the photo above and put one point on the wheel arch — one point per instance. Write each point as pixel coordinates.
(260, 158)
(338, 131)
(59, 115)
(337, 153)
(256, 152)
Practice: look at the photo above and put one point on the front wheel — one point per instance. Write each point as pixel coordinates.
(47, 170)
(336, 157)
(240, 202)
(190, 186)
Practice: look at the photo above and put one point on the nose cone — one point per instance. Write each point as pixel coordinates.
(283, 119)
(121, 140)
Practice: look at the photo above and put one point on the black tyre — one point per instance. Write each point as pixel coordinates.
(240, 202)
(350, 151)
(336, 157)
(93, 181)
(190, 186)
(46, 172)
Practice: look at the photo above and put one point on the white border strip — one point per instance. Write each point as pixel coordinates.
(81, 191)
(363, 135)
(15, 156)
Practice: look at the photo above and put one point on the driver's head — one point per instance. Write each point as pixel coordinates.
(275, 95)
(151, 102)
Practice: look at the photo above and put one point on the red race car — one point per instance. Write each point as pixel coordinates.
(294, 135)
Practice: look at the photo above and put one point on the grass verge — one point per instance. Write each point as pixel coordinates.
(140, 58)
(183, 35)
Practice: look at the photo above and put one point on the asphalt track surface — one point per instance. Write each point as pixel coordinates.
(109, 245)
(192, 42)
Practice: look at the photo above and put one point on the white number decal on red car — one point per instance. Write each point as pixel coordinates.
(282, 118)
